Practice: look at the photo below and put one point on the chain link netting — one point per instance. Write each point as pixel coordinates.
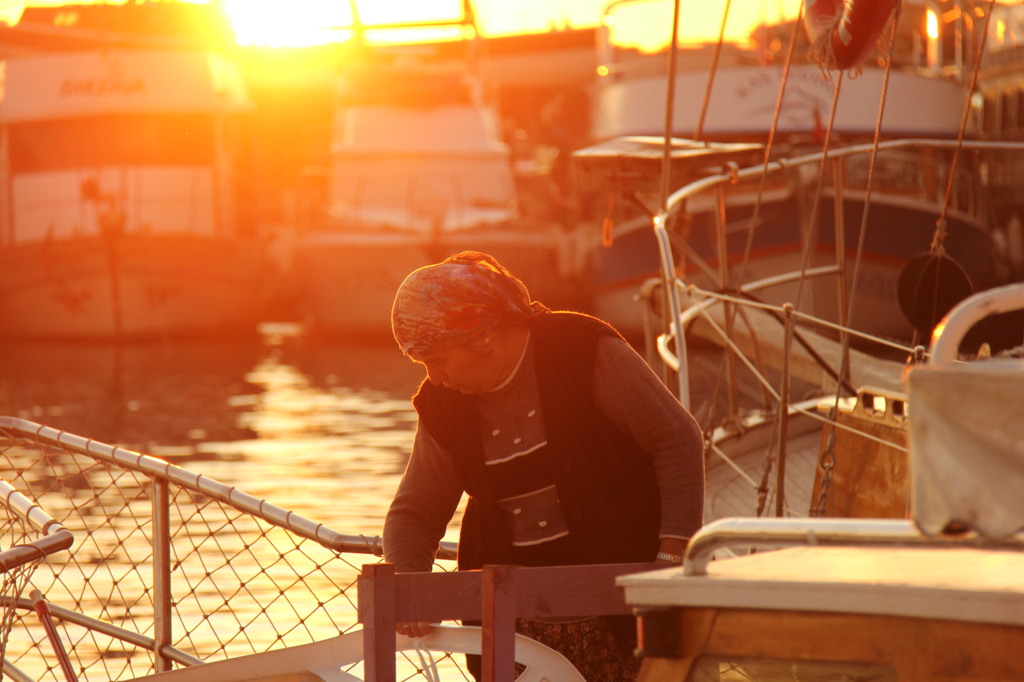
(238, 583)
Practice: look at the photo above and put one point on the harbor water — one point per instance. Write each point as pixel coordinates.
(319, 426)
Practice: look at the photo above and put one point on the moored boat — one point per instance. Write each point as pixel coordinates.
(935, 597)
(418, 171)
(126, 177)
(772, 92)
(803, 409)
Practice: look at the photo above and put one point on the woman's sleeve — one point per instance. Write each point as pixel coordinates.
(632, 396)
(427, 497)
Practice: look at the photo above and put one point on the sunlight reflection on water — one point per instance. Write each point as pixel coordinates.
(321, 427)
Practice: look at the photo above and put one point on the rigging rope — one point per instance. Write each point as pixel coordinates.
(940, 224)
(828, 456)
(670, 97)
(699, 130)
(813, 220)
(771, 138)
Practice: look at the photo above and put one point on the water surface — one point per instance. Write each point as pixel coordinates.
(321, 426)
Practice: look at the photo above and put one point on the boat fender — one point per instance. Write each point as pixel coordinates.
(929, 285)
(843, 32)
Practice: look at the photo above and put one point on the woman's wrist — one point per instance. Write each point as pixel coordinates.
(671, 549)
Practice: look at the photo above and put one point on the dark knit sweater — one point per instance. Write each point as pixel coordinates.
(514, 420)
(606, 485)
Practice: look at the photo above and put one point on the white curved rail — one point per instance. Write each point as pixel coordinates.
(326, 658)
(951, 330)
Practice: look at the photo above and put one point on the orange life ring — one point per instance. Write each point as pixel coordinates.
(842, 32)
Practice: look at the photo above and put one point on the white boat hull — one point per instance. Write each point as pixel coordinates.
(132, 287)
(346, 281)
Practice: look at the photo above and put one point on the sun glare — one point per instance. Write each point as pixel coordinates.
(647, 26)
(295, 23)
(299, 23)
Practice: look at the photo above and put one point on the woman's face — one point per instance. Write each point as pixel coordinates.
(468, 369)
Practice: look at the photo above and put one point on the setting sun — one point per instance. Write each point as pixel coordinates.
(295, 23)
(299, 23)
(272, 23)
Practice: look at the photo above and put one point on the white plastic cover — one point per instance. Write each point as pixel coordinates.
(967, 446)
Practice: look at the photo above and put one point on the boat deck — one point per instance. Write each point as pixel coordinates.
(945, 583)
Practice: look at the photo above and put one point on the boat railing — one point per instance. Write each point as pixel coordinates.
(53, 537)
(494, 596)
(920, 530)
(764, 336)
(168, 566)
(704, 300)
(950, 331)
(31, 536)
(676, 300)
(775, 533)
(901, 174)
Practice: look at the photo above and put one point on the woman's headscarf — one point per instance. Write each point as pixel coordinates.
(456, 301)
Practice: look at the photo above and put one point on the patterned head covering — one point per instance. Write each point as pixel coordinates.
(456, 301)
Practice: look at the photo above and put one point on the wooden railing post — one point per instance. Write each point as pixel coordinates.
(377, 613)
(499, 623)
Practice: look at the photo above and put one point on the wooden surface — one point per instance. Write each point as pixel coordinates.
(913, 649)
(497, 595)
(973, 585)
(870, 480)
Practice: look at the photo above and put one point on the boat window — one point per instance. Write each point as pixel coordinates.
(991, 114)
(895, 171)
(1009, 116)
(1019, 96)
(711, 669)
(416, 194)
(177, 139)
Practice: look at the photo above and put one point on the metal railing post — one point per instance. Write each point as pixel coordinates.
(161, 574)
(722, 249)
(780, 469)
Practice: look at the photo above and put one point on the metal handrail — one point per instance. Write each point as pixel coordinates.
(776, 533)
(55, 537)
(732, 175)
(105, 628)
(950, 331)
(230, 495)
(162, 474)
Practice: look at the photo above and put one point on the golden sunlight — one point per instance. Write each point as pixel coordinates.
(299, 23)
(295, 23)
(647, 26)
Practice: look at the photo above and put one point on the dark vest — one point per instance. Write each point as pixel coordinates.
(606, 484)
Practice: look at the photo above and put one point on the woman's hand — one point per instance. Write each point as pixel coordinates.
(414, 629)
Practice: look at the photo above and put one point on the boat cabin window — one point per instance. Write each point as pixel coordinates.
(712, 669)
(149, 140)
(412, 194)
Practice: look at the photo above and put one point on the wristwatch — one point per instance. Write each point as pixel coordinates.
(665, 556)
